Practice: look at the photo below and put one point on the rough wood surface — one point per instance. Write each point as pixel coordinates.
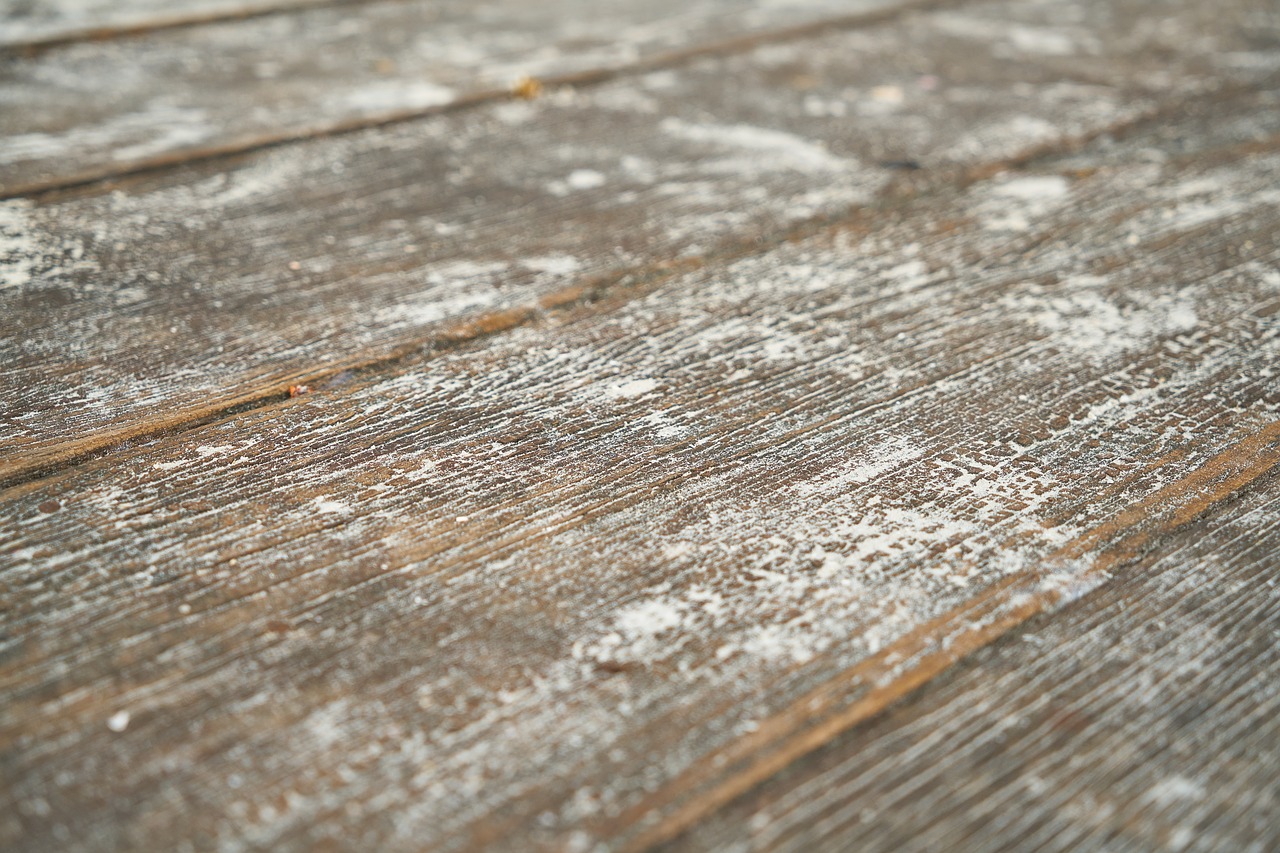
(660, 435)
(1144, 717)
(102, 108)
(171, 297)
(34, 23)
(588, 580)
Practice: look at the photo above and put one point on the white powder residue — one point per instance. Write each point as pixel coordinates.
(647, 618)
(17, 248)
(1173, 790)
(578, 179)
(167, 128)
(1015, 204)
(431, 308)
(1042, 40)
(554, 265)
(118, 722)
(206, 450)
(879, 459)
(396, 95)
(638, 632)
(786, 150)
(328, 506)
(1090, 324)
(632, 388)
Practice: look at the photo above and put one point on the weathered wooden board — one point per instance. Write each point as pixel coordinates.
(1145, 717)
(589, 579)
(40, 22)
(175, 296)
(95, 109)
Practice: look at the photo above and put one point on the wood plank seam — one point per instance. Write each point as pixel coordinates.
(176, 21)
(893, 673)
(590, 77)
(619, 286)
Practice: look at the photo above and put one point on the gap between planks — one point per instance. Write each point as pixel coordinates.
(618, 285)
(590, 77)
(174, 21)
(816, 718)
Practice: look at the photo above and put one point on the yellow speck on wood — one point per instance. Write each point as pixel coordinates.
(527, 87)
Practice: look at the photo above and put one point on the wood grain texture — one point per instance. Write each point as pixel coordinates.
(1144, 717)
(585, 581)
(25, 24)
(100, 109)
(172, 297)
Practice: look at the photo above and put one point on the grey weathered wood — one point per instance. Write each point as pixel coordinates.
(174, 296)
(1144, 717)
(102, 108)
(26, 23)
(588, 579)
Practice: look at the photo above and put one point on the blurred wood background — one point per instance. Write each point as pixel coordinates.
(610, 426)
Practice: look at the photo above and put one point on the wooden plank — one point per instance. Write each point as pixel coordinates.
(1142, 718)
(173, 297)
(101, 109)
(52, 22)
(588, 580)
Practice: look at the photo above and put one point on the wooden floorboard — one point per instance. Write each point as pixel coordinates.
(146, 305)
(103, 108)
(789, 430)
(592, 578)
(26, 25)
(1141, 718)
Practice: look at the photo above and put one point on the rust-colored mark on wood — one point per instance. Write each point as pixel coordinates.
(527, 88)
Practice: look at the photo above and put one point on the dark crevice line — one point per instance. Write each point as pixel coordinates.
(942, 643)
(589, 77)
(32, 47)
(619, 286)
(1122, 574)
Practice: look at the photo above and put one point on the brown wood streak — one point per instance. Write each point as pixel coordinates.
(178, 20)
(1066, 733)
(814, 719)
(17, 480)
(591, 77)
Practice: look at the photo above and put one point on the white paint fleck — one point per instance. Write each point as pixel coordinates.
(1015, 204)
(785, 150)
(206, 450)
(328, 506)
(578, 179)
(632, 388)
(119, 721)
(400, 94)
(554, 265)
(17, 248)
(1173, 790)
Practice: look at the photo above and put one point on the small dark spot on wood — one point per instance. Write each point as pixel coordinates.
(902, 165)
(276, 626)
(50, 506)
(614, 667)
